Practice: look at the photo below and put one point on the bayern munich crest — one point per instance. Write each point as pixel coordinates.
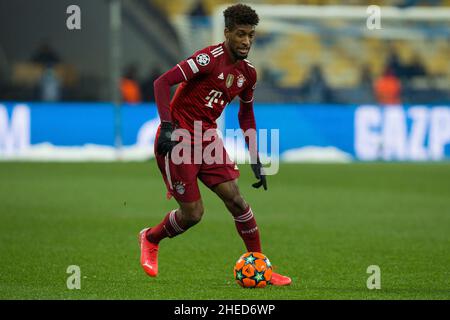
(203, 59)
(179, 187)
(240, 80)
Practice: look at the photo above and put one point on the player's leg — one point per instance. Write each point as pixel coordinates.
(245, 222)
(222, 179)
(242, 213)
(177, 221)
(181, 183)
(174, 223)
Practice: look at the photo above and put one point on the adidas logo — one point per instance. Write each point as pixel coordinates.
(217, 51)
(221, 76)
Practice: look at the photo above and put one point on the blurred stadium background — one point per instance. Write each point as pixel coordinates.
(337, 91)
(304, 59)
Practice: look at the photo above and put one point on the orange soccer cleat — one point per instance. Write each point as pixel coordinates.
(279, 280)
(149, 254)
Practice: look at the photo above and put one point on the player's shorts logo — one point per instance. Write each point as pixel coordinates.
(203, 59)
(179, 187)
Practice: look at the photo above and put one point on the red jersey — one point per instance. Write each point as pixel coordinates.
(212, 81)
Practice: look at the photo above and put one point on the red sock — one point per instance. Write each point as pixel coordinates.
(169, 227)
(248, 230)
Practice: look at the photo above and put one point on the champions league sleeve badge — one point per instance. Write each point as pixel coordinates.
(203, 59)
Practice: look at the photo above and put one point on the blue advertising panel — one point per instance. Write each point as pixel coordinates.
(87, 131)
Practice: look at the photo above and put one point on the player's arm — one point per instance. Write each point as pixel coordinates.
(192, 67)
(162, 91)
(248, 125)
(162, 98)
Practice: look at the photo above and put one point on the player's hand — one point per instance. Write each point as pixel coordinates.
(259, 174)
(164, 145)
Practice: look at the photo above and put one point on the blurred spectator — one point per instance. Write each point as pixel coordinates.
(45, 55)
(315, 88)
(366, 84)
(393, 63)
(129, 86)
(387, 88)
(148, 94)
(198, 10)
(268, 76)
(416, 68)
(50, 86)
(198, 15)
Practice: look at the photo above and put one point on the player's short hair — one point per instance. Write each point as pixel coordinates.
(240, 14)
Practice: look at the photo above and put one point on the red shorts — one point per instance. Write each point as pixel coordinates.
(181, 179)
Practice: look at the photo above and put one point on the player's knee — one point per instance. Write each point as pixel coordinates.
(237, 202)
(193, 213)
(195, 216)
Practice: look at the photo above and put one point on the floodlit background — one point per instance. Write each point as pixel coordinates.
(361, 104)
(329, 68)
(340, 56)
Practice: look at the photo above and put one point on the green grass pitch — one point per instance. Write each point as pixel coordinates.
(323, 225)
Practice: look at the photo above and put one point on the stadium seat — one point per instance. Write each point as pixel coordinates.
(26, 74)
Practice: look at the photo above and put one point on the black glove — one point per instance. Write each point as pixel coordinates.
(259, 174)
(164, 145)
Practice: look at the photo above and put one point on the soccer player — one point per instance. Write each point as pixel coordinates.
(210, 79)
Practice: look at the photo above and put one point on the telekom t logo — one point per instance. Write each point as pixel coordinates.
(213, 97)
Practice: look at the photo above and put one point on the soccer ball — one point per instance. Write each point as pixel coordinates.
(253, 270)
